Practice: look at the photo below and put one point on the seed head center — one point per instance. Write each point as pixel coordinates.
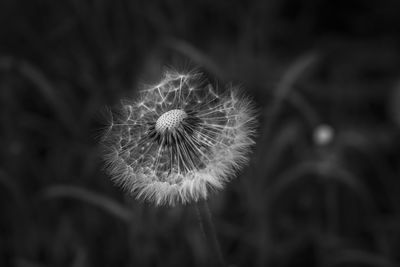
(170, 120)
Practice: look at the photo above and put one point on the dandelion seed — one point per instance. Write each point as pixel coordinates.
(179, 139)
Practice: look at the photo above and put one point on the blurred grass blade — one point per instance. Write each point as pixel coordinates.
(285, 86)
(196, 55)
(333, 173)
(354, 184)
(309, 113)
(353, 256)
(80, 257)
(44, 87)
(103, 202)
(269, 157)
(7, 182)
(291, 177)
(293, 74)
(22, 262)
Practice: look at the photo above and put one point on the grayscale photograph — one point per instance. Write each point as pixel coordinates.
(197, 133)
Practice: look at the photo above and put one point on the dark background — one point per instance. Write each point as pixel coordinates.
(323, 185)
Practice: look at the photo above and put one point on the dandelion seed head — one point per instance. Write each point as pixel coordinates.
(170, 120)
(179, 140)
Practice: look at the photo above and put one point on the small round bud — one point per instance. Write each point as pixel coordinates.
(323, 134)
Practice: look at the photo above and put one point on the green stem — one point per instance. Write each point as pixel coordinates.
(208, 229)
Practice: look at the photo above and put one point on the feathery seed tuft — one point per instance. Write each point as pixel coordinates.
(179, 139)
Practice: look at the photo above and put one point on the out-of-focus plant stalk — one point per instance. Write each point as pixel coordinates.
(208, 229)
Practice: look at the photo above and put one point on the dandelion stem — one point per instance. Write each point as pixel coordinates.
(208, 229)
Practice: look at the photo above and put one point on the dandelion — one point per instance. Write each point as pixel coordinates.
(179, 140)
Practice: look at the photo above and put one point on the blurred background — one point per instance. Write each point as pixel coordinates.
(322, 187)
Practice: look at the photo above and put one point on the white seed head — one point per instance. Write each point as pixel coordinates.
(170, 120)
(179, 139)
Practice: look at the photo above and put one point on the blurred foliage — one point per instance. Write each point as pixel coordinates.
(323, 185)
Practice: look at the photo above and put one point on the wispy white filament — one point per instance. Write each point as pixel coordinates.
(179, 139)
